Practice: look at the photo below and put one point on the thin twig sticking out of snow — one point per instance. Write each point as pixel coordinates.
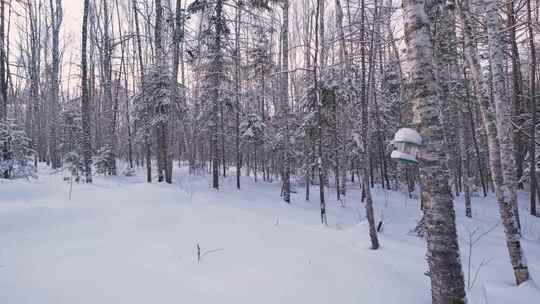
(473, 239)
(200, 254)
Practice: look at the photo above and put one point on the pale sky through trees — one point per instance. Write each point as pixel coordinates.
(73, 14)
(70, 32)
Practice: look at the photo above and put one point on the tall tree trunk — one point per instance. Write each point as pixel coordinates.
(502, 190)
(442, 24)
(85, 101)
(447, 284)
(178, 38)
(341, 168)
(532, 100)
(286, 172)
(109, 108)
(123, 69)
(56, 20)
(517, 90)
(216, 90)
(465, 162)
(503, 109)
(237, 90)
(162, 128)
(320, 96)
(3, 85)
(366, 160)
(147, 145)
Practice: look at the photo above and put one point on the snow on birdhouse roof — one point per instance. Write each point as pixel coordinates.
(408, 135)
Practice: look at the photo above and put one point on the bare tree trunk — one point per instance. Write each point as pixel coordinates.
(447, 284)
(85, 102)
(109, 108)
(479, 162)
(33, 118)
(502, 190)
(532, 100)
(320, 49)
(162, 128)
(517, 90)
(178, 38)
(442, 21)
(147, 146)
(503, 110)
(237, 90)
(56, 20)
(465, 163)
(216, 90)
(123, 69)
(344, 61)
(286, 172)
(3, 85)
(365, 140)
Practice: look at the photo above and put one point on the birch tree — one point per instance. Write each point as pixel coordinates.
(502, 189)
(447, 284)
(504, 129)
(56, 21)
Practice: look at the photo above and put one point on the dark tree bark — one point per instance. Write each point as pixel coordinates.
(517, 90)
(532, 101)
(85, 101)
(284, 90)
(147, 145)
(162, 127)
(237, 90)
(3, 84)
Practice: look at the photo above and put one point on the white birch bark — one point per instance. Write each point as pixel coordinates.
(447, 284)
(503, 113)
(56, 20)
(502, 190)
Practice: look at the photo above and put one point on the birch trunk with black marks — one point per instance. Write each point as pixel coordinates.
(503, 109)
(447, 284)
(56, 21)
(481, 83)
(504, 128)
(364, 102)
(109, 109)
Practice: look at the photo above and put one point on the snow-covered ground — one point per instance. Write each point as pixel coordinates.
(121, 240)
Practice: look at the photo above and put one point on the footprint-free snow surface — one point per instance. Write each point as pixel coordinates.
(121, 240)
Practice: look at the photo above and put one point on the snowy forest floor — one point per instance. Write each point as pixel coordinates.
(121, 240)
